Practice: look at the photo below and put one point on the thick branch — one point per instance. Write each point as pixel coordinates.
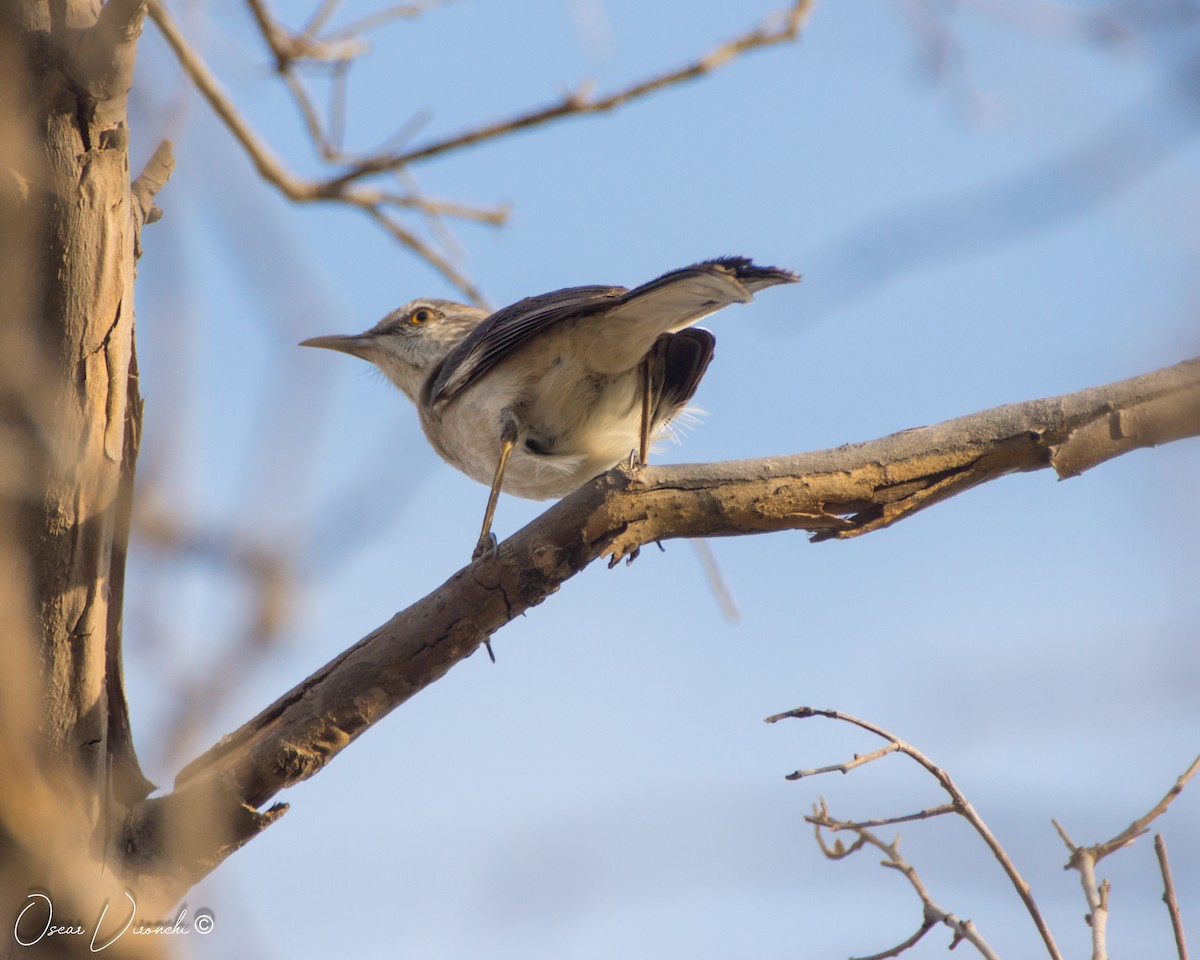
(834, 493)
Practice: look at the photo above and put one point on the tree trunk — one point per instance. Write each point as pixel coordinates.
(71, 416)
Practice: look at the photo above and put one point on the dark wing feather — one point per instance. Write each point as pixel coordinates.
(668, 303)
(508, 328)
(678, 362)
(742, 269)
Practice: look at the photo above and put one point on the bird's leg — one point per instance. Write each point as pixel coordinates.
(508, 440)
(644, 439)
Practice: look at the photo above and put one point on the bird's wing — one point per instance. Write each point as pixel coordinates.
(677, 365)
(673, 301)
(613, 328)
(510, 328)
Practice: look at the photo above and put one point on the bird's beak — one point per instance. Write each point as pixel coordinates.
(357, 345)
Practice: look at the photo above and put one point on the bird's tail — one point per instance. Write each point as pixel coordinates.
(751, 275)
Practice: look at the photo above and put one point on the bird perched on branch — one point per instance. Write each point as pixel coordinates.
(541, 396)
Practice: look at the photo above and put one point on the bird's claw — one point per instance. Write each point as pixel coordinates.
(629, 557)
(486, 547)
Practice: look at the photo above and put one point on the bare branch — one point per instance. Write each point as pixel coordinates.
(494, 216)
(399, 11)
(847, 490)
(1084, 859)
(409, 239)
(338, 49)
(269, 166)
(858, 761)
(784, 27)
(1160, 850)
(932, 914)
(839, 851)
(959, 801)
(859, 488)
(272, 169)
(1141, 825)
(716, 582)
(927, 814)
(152, 179)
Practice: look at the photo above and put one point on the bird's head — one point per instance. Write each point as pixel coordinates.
(410, 341)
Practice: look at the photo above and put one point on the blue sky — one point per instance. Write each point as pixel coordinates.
(1020, 225)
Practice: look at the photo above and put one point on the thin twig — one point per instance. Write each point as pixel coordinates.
(1142, 824)
(413, 242)
(272, 169)
(961, 804)
(580, 101)
(374, 21)
(926, 814)
(1160, 849)
(1084, 859)
(932, 914)
(858, 761)
(716, 582)
(340, 47)
(434, 222)
(320, 16)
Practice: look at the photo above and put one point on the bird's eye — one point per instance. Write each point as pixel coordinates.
(420, 315)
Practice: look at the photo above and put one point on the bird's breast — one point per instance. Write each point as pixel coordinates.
(570, 429)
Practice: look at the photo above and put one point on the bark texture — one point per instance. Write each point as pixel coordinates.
(838, 493)
(71, 417)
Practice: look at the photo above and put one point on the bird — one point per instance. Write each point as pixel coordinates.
(539, 397)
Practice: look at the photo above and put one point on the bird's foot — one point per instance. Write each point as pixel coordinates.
(616, 557)
(487, 547)
(634, 464)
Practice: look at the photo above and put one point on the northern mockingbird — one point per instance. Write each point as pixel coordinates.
(541, 396)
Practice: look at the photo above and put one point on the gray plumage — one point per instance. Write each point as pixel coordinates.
(560, 375)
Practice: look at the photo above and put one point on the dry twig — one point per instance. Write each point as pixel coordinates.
(336, 51)
(958, 801)
(1160, 850)
(932, 914)
(783, 27)
(1084, 859)
(372, 201)
(858, 760)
